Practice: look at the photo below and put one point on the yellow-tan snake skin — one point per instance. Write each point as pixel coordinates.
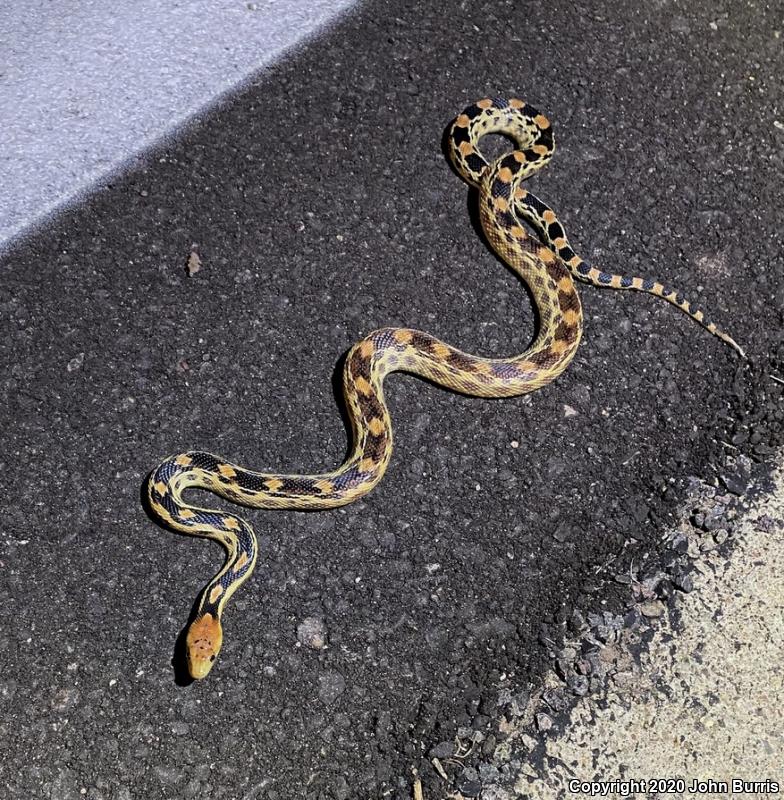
(548, 268)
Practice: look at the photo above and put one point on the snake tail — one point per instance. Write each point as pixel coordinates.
(510, 117)
(543, 219)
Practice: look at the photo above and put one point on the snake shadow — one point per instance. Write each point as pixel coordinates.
(496, 145)
(182, 676)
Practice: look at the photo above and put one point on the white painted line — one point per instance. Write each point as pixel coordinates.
(85, 84)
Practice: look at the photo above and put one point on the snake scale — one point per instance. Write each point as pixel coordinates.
(547, 266)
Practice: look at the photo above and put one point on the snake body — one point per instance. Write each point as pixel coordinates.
(547, 267)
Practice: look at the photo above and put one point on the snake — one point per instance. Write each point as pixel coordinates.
(548, 266)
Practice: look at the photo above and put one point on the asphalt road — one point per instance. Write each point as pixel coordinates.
(322, 207)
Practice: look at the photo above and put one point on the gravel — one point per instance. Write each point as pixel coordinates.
(709, 670)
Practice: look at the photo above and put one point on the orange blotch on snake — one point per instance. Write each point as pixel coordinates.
(227, 471)
(440, 350)
(376, 426)
(240, 563)
(542, 121)
(202, 645)
(363, 387)
(505, 174)
(367, 465)
(215, 592)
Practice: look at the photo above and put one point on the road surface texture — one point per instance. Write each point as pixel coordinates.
(321, 206)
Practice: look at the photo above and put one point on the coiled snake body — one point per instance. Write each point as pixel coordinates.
(548, 268)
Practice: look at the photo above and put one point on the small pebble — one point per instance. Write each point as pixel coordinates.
(75, 363)
(584, 666)
(653, 609)
(632, 618)
(623, 679)
(578, 684)
(312, 632)
(735, 484)
(194, 263)
(683, 581)
(469, 783)
(544, 722)
(444, 749)
(715, 518)
(331, 686)
(576, 622)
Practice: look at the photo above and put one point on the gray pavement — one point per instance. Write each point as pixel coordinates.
(322, 207)
(85, 86)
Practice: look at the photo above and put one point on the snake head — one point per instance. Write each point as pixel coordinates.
(202, 645)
